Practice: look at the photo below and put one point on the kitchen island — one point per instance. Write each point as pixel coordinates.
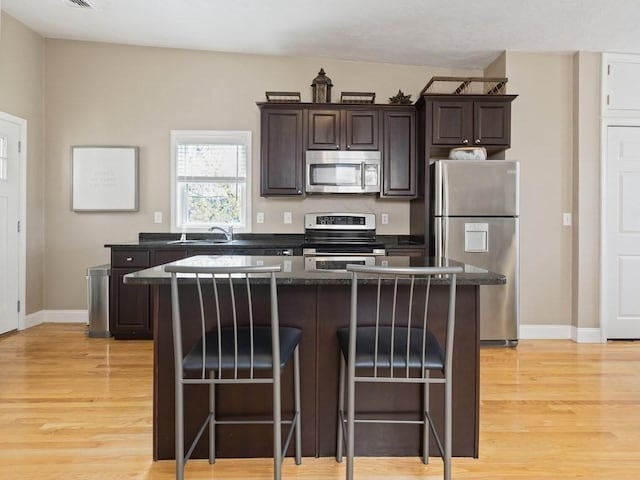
(317, 301)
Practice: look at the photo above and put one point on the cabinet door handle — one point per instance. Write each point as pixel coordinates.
(129, 259)
(465, 141)
(477, 142)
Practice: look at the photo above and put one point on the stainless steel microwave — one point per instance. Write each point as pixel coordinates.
(342, 171)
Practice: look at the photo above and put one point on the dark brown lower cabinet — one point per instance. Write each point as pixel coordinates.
(128, 304)
(129, 308)
(320, 310)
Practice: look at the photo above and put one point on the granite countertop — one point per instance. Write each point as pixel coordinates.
(246, 240)
(294, 272)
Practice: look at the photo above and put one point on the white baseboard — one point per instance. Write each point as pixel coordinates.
(33, 319)
(560, 332)
(545, 332)
(66, 316)
(586, 335)
(56, 316)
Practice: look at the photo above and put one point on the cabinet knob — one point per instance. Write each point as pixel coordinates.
(477, 142)
(299, 191)
(337, 147)
(465, 141)
(348, 147)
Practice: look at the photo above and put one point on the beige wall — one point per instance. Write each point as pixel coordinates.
(498, 67)
(21, 94)
(101, 94)
(586, 191)
(542, 134)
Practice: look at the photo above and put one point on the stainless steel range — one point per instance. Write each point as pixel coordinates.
(333, 240)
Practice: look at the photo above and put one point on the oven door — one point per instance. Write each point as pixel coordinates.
(338, 263)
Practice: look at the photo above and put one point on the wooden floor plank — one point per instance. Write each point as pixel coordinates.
(79, 408)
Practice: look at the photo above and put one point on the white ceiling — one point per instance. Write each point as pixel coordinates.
(453, 33)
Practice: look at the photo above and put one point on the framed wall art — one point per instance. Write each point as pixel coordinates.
(104, 179)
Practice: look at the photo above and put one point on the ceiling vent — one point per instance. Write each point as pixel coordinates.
(78, 3)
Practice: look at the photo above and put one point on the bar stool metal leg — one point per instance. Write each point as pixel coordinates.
(447, 429)
(296, 397)
(179, 434)
(351, 403)
(425, 427)
(340, 429)
(212, 419)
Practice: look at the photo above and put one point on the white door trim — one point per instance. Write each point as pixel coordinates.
(608, 119)
(22, 214)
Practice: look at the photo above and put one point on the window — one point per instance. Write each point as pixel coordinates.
(210, 180)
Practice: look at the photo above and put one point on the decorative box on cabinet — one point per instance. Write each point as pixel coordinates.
(470, 120)
(399, 177)
(343, 129)
(282, 156)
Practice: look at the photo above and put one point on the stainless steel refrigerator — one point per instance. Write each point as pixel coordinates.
(475, 220)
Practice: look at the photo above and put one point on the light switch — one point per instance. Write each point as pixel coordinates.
(384, 218)
(260, 217)
(287, 217)
(566, 219)
(157, 217)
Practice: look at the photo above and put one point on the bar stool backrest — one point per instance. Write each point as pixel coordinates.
(400, 325)
(225, 304)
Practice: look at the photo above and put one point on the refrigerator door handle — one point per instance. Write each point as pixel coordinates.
(440, 242)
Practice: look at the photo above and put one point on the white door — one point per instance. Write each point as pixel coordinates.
(10, 134)
(622, 231)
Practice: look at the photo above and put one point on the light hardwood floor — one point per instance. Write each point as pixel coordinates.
(79, 408)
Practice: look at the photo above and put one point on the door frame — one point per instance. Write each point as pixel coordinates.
(609, 118)
(22, 214)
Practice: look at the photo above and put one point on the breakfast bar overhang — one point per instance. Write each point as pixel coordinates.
(318, 303)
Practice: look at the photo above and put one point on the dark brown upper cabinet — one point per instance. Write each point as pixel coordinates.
(399, 177)
(471, 120)
(282, 155)
(343, 129)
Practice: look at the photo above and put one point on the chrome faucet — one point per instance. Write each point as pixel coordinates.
(228, 234)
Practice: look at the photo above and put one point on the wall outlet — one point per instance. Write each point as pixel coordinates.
(260, 217)
(287, 217)
(566, 219)
(384, 218)
(157, 217)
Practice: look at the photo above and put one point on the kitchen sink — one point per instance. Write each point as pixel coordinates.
(182, 242)
(199, 242)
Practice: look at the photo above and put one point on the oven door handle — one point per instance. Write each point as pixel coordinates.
(376, 252)
(362, 175)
